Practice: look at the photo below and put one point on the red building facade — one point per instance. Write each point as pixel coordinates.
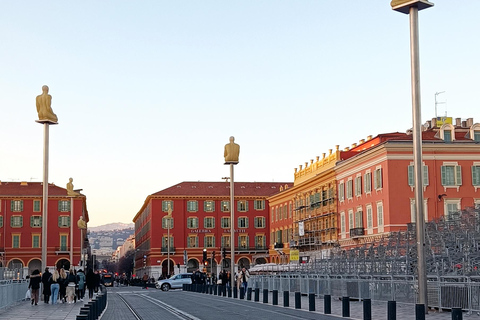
(201, 220)
(21, 227)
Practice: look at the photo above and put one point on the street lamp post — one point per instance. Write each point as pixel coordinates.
(411, 7)
(231, 154)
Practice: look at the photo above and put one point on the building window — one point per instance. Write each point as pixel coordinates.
(367, 182)
(447, 135)
(166, 222)
(451, 175)
(290, 210)
(225, 222)
(36, 205)
(259, 205)
(35, 241)
(165, 243)
(260, 242)
(64, 205)
(242, 205)
(342, 222)
(358, 186)
(341, 191)
(411, 175)
(451, 208)
(476, 175)
(476, 135)
(192, 242)
(413, 210)
(350, 189)
(225, 206)
(285, 215)
(380, 216)
(209, 206)
(192, 206)
(276, 213)
(63, 221)
(165, 204)
(259, 222)
(209, 241)
(15, 241)
(16, 221)
(209, 222)
(273, 214)
(225, 241)
(243, 242)
(63, 242)
(350, 219)
(359, 219)
(192, 223)
(369, 219)
(243, 222)
(16, 205)
(1, 221)
(377, 177)
(35, 221)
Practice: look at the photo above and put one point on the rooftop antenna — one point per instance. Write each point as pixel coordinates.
(437, 103)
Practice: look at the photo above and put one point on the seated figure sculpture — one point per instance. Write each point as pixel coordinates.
(232, 151)
(44, 106)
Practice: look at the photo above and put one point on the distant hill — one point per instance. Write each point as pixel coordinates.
(112, 226)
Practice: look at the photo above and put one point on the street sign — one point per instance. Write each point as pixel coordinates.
(294, 255)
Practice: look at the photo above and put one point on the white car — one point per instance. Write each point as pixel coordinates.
(174, 282)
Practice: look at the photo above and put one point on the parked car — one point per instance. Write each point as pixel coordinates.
(174, 282)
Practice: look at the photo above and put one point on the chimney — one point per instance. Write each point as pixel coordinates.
(469, 122)
(429, 122)
(369, 137)
(346, 149)
(434, 122)
(361, 141)
(458, 122)
(354, 145)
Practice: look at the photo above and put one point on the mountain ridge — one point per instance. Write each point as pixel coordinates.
(112, 226)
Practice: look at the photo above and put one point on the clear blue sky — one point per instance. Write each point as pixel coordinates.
(148, 92)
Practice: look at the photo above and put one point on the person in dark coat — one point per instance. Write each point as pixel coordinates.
(90, 281)
(98, 280)
(46, 285)
(34, 285)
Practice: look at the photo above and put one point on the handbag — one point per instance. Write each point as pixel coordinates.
(28, 294)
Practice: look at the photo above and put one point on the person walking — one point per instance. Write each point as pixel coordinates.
(245, 275)
(90, 281)
(81, 284)
(97, 281)
(46, 285)
(55, 286)
(145, 280)
(34, 285)
(71, 284)
(63, 285)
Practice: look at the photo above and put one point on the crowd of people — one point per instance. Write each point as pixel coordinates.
(224, 278)
(63, 286)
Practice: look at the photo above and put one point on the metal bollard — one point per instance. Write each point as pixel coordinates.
(275, 297)
(82, 316)
(311, 302)
(298, 300)
(286, 299)
(391, 310)
(346, 307)
(457, 314)
(327, 304)
(265, 295)
(229, 292)
(419, 311)
(249, 294)
(224, 291)
(242, 293)
(367, 309)
(215, 290)
(235, 293)
(257, 294)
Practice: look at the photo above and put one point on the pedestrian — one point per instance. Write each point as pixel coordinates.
(55, 286)
(46, 285)
(63, 285)
(71, 284)
(229, 279)
(90, 281)
(34, 285)
(97, 281)
(81, 284)
(145, 280)
(245, 275)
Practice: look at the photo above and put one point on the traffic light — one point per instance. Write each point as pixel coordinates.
(144, 261)
(205, 255)
(224, 253)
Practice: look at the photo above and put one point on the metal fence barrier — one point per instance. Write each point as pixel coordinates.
(11, 292)
(444, 292)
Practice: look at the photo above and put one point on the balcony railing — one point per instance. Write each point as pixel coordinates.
(357, 232)
(165, 249)
(243, 248)
(62, 249)
(278, 245)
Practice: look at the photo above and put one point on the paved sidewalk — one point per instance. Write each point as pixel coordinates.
(25, 310)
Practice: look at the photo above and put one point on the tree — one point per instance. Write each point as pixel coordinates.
(125, 264)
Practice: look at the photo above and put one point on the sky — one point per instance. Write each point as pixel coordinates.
(147, 93)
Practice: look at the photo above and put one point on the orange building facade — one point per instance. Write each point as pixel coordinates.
(21, 227)
(200, 219)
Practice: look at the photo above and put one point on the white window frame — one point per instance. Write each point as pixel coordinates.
(378, 178)
(358, 185)
(367, 182)
(411, 176)
(380, 217)
(350, 220)
(349, 188)
(369, 211)
(194, 224)
(222, 220)
(446, 203)
(209, 206)
(341, 191)
(457, 175)
(476, 175)
(343, 226)
(413, 209)
(192, 205)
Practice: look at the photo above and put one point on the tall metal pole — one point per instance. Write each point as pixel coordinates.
(417, 157)
(232, 229)
(71, 232)
(168, 247)
(45, 194)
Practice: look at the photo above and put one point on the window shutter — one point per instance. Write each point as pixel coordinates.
(458, 172)
(59, 221)
(246, 222)
(425, 175)
(411, 179)
(239, 241)
(11, 221)
(12, 205)
(21, 205)
(246, 205)
(213, 222)
(248, 242)
(444, 175)
(31, 221)
(239, 206)
(238, 223)
(475, 175)
(213, 242)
